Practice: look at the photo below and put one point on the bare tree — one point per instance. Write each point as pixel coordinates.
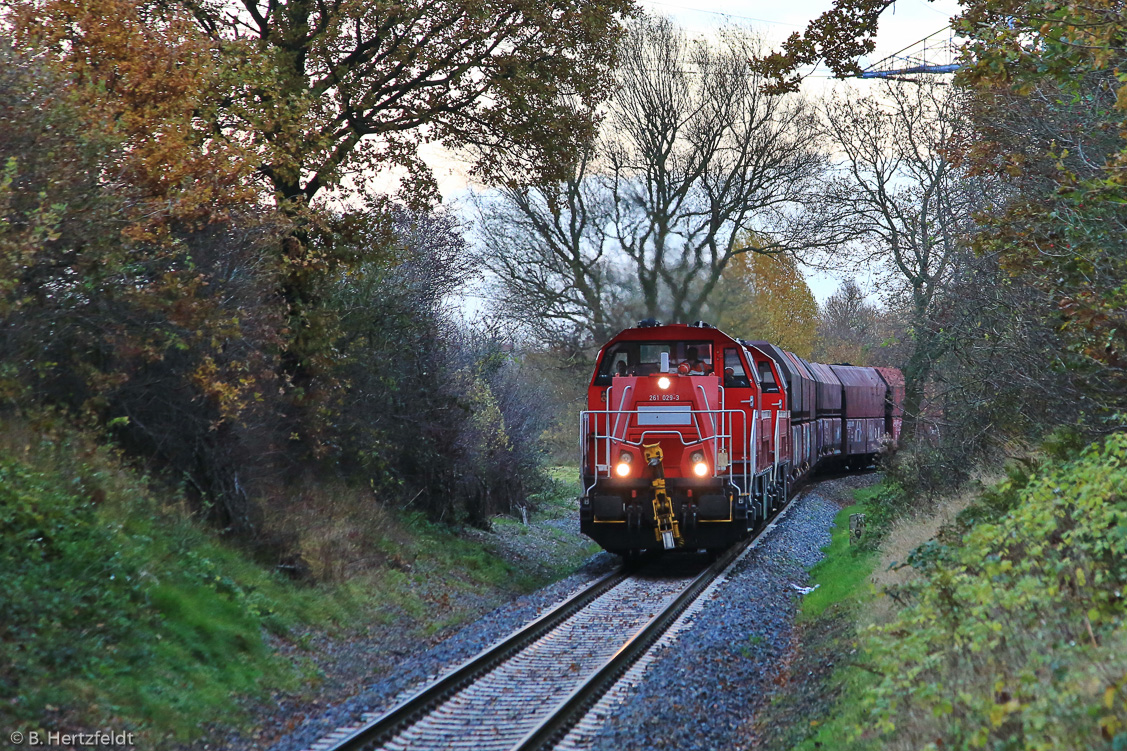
(551, 254)
(907, 205)
(691, 156)
(850, 327)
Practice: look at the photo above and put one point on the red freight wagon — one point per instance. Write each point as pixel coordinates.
(864, 394)
(828, 407)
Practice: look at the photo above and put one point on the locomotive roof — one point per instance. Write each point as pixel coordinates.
(675, 331)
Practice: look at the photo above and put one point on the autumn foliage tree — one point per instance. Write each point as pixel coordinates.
(133, 280)
(1049, 110)
(318, 99)
(765, 296)
(345, 91)
(174, 268)
(142, 78)
(1054, 127)
(358, 87)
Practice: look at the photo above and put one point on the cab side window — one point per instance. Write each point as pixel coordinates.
(734, 374)
(767, 378)
(616, 362)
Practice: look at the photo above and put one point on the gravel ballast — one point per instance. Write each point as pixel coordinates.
(702, 690)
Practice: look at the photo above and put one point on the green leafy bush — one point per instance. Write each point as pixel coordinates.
(1016, 634)
(63, 573)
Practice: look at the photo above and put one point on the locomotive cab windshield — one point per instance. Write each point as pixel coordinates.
(642, 358)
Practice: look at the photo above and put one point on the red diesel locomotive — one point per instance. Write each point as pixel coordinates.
(693, 438)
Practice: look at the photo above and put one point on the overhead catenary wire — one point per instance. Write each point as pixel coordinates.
(909, 65)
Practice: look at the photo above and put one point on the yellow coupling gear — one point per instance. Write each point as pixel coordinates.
(667, 529)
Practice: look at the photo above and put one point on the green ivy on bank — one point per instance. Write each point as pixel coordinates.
(1015, 632)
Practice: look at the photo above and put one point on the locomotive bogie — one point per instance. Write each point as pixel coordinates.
(709, 517)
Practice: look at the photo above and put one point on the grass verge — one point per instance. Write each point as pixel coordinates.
(121, 610)
(827, 623)
(841, 576)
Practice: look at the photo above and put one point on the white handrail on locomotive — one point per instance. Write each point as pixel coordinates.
(720, 440)
(751, 447)
(610, 399)
(704, 397)
(718, 436)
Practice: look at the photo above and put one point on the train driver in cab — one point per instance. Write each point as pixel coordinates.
(693, 365)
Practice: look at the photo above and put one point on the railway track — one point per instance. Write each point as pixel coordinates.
(532, 690)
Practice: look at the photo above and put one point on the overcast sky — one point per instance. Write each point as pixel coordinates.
(903, 23)
(900, 26)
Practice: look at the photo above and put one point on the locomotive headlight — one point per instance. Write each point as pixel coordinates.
(625, 457)
(622, 469)
(697, 457)
(700, 469)
(663, 383)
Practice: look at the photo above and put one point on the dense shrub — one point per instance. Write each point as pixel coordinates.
(883, 504)
(441, 414)
(146, 308)
(1016, 633)
(1005, 378)
(128, 312)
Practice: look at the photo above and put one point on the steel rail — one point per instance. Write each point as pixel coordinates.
(378, 731)
(568, 712)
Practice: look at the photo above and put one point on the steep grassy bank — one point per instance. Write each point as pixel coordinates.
(1008, 630)
(121, 610)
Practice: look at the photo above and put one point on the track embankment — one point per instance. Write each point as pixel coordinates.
(702, 685)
